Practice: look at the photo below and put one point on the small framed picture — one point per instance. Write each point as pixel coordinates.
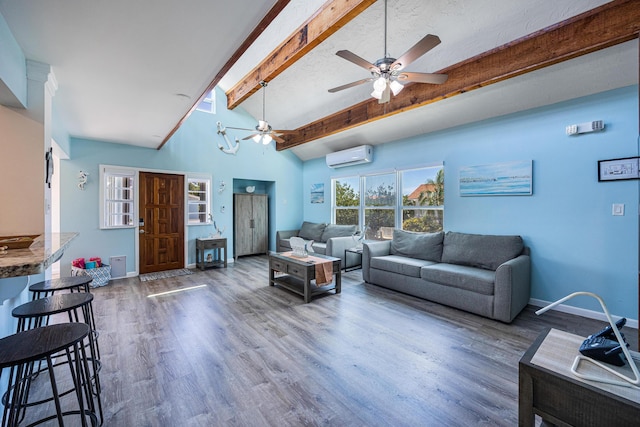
(618, 169)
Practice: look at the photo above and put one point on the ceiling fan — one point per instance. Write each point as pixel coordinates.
(386, 73)
(263, 131)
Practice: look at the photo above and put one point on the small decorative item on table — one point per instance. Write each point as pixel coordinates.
(300, 247)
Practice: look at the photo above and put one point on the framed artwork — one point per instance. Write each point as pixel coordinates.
(317, 193)
(497, 179)
(618, 169)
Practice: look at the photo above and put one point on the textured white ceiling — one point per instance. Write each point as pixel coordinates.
(122, 65)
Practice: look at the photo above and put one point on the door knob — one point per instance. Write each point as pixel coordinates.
(141, 231)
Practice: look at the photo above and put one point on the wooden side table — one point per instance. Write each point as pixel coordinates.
(547, 388)
(219, 255)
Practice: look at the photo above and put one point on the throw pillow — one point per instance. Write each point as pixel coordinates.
(311, 230)
(334, 230)
(426, 246)
(478, 250)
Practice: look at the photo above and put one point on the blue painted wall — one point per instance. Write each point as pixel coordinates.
(193, 149)
(576, 243)
(13, 68)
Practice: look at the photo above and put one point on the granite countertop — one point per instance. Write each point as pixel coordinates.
(37, 258)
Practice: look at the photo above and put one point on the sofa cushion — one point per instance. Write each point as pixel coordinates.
(311, 231)
(425, 246)
(285, 243)
(320, 248)
(399, 264)
(460, 276)
(335, 230)
(483, 251)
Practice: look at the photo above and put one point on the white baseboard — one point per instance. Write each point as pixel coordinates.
(590, 314)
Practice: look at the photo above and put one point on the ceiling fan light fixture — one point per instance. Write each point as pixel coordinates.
(256, 138)
(396, 87)
(379, 84)
(266, 139)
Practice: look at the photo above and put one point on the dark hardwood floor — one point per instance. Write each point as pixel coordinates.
(238, 352)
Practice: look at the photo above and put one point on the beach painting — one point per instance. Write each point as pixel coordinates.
(497, 179)
(317, 193)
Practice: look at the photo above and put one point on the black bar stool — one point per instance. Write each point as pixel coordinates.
(77, 305)
(19, 352)
(72, 284)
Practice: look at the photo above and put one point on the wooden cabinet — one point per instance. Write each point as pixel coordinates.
(250, 224)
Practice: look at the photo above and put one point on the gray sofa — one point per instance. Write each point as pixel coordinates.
(328, 239)
(483, 274)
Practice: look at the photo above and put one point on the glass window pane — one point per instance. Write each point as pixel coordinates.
(347, 216)
(380, 223)
(198, 201)
(423, 187)
(118, 199)
(422, 220)
(380, 190)
(347, 191)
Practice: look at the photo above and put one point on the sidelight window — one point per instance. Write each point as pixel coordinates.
(198, 200)
(118, 198)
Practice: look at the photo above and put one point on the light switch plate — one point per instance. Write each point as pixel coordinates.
(617, 209)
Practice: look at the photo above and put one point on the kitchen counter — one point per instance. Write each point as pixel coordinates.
(35, 259)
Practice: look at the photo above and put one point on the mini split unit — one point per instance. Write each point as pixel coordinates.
(350, 157)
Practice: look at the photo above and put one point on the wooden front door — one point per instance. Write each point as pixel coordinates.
(162, 226)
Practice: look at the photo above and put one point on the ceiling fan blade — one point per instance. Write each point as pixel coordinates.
(277, 138)
(423, 78)
(250, 130)
(352, 57)
(352, 84)
(427, 43)
(250, 136)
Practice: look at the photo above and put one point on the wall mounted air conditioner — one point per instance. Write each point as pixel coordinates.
(350, 157)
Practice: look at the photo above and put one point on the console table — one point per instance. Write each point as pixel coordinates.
(548, 388)
(219, 257)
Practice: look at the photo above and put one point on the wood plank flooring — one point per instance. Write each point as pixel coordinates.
(238, 352)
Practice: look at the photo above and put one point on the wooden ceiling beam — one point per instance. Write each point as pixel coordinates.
(332, 16)
(264, 23)
(613, 23)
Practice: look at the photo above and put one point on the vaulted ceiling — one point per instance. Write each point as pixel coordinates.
(130, 72)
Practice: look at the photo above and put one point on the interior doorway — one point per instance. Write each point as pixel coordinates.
(161, 223)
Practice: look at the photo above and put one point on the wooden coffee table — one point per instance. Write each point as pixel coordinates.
(298, 274)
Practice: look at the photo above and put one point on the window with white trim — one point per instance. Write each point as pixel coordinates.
(198, 200)
(118, 198)
(208, 104)
(408, 199)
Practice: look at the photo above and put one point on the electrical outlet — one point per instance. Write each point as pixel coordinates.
(617, 209)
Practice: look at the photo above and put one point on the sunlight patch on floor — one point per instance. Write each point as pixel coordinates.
(190, 288)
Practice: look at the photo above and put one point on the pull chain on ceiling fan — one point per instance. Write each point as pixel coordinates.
(386, 73)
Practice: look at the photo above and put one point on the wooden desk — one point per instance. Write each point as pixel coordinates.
(219, 257)
(548, 388)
